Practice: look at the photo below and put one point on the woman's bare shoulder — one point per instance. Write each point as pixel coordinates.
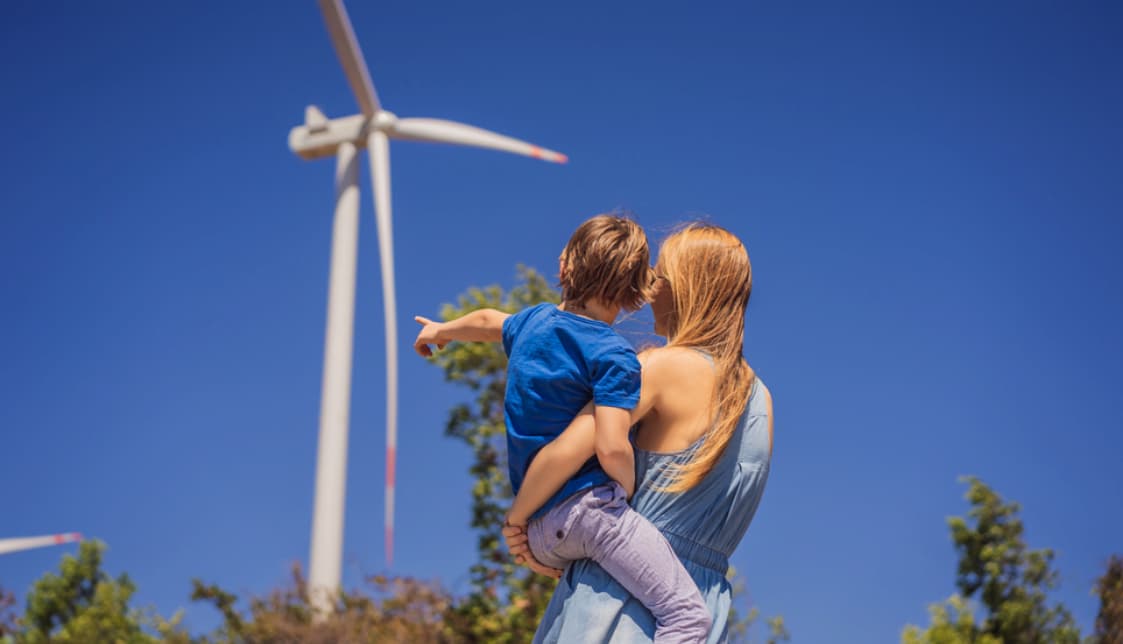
(674, 363)
(677, 356)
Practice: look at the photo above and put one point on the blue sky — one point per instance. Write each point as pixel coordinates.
(930, 196)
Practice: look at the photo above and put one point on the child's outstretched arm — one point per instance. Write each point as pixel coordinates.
(553, 465)
(484, 325)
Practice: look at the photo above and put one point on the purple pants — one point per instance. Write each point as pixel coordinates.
(599, 524)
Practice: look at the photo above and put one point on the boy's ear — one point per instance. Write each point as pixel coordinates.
(561, 268)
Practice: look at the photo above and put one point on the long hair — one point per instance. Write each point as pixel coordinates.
(710, 278)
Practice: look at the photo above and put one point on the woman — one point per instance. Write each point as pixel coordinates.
(703, 443)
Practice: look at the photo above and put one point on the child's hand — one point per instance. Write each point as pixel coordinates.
(517, 545)
(430, 334)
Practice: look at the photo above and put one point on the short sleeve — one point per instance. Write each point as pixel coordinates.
(512, 326)
(616, 379)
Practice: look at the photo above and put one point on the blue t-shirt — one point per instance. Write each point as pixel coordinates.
(557, 363)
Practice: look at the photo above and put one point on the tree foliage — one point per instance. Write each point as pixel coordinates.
(953, 622)
(741, 627)
(82, 603)
(388, 609)
(506, 601)
(1109, 588)
(1010, 581)
(7, 616)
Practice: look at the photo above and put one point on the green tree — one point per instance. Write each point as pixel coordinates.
(506, 601)
(740, 628)
(777, 630)
(953, 622)
(386, 610)
(7, 616)
(739, 633)
(1010, 581)
(82, 604)
(1109, 588)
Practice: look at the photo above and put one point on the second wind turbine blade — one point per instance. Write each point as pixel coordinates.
(350, 56)
(379, 148)
(27, 543)
(441, 131)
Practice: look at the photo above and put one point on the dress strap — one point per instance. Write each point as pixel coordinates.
(705, 354)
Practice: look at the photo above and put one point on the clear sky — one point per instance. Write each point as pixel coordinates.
(930, 193)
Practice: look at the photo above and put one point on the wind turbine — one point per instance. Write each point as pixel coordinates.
(320, 137)
(27, 543)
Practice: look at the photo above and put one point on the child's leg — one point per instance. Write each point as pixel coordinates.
(600, 525)
(544, 536)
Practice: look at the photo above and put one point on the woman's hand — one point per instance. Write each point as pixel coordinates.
(515, 536)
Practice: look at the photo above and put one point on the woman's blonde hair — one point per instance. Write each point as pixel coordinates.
(710, 278)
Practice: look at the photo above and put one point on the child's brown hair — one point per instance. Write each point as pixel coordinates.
(607, 259)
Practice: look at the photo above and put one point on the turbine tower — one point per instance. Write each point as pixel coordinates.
(342, 137)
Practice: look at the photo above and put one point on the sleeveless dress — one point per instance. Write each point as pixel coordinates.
(703, 524)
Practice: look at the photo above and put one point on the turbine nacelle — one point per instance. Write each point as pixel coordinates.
(321, 137)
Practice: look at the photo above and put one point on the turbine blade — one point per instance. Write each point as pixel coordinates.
(350, 56)
(27, 543)
(379, 147)
(440, 131)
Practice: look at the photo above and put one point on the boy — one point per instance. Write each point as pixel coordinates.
(560, 358)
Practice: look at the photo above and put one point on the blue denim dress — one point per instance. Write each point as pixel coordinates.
(703, 525)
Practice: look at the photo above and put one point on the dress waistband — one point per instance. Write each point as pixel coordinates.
(689, 550)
